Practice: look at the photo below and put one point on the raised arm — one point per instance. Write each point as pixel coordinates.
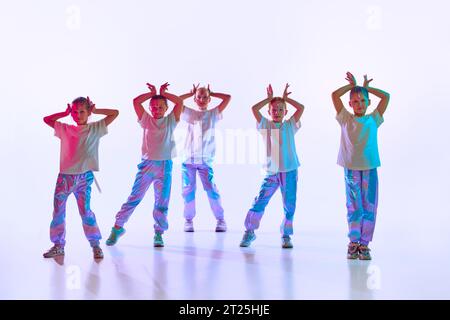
(174, 99)
(137, 102)
(257, 107)
(51, 119)
(225, 99)
(191, 93)
(110, 114)
(298, 106)
(336, 95)
(384, 96)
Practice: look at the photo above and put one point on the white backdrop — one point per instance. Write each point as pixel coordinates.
(54, 51)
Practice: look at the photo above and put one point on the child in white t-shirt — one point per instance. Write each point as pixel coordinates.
(199, 153)
(281, 166)
(158, 149)
(78, 158)
(358, 154)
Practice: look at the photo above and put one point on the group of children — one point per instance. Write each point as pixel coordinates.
(358, 155)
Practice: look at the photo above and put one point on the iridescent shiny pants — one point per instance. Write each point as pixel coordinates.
(362, 200)
(287, 182)
(206, 174)
(80, 186)
(160, 173)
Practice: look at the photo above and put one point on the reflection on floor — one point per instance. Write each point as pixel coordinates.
(209, 265)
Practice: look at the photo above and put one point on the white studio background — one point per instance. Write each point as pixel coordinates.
(54, 51)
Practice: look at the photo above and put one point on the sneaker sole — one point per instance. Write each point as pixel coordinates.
(52, 256)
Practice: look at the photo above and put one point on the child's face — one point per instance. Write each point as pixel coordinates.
(202, 98)
(277, 110)
(359, 103)
(80, 113)
(158, 108)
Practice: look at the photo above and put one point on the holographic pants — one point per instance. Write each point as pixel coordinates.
(160, 173)
(206, 174)
(361, 188)
(80, 186)
(287, 182)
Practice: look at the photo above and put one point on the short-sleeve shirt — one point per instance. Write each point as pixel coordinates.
(157, 141)
(200, 145)
(281, 154)
(79, 146)
(359, 146)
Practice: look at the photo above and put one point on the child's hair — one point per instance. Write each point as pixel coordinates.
(158, 97)
(276, 99)
(358, 89)
(82, 100)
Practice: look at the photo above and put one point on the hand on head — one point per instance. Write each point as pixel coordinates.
(163, 88)
(286, 93)
(91, 105)
(351, 79)
(152, 89)
(366, 82)
(270, 92)
(194, 89)
(68, 110)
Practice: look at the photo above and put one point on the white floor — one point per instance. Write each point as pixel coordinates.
(209, 265)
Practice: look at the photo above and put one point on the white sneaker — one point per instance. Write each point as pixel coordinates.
(189, 226)
(221, 226)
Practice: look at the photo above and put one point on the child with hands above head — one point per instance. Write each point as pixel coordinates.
(78, 159)
(281, 164)
(158, 149)
(200, 148)
(358, 154)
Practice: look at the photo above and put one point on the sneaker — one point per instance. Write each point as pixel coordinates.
(353, 250)
(286, 242)
(247, 239)
(158, 240)
(114, 236)
(98, 253)
(364, 253)
(221, 226)
(189, 226)
(54, 251)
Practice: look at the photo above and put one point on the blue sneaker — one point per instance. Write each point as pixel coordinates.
(286, 242)
(248, 238)
(158, 240)
(114, 236)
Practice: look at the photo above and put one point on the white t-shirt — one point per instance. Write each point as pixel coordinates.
(158, 142)
(359, 147)
(200, 145)
(79, 146)
(281, 154)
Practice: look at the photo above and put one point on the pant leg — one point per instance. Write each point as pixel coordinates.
(144, 178)
(288, 187)
(188, 178)
(58, 225)
(206, 174)
(254, 215)
(353, 182)
(370, 204)
(82, 192)
(162, 185)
